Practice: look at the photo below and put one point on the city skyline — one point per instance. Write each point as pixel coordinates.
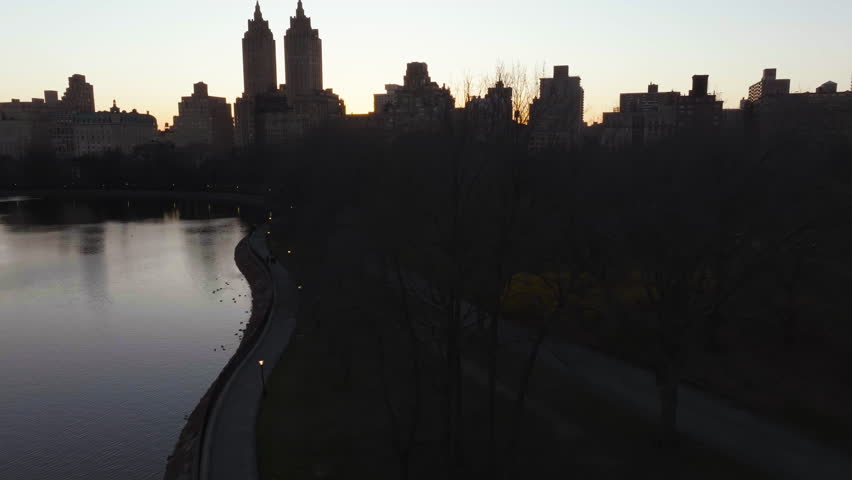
(624, 54)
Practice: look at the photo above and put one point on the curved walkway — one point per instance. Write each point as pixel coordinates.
(228, 449)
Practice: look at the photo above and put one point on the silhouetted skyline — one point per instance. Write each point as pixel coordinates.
(155, 50)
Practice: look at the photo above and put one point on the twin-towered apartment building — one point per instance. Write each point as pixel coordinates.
(269, 114)
(266, 113)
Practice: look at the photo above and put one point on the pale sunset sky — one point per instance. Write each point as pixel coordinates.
(148, 54)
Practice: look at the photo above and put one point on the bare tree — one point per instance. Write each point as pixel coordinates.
(404, 442)
(524, 82)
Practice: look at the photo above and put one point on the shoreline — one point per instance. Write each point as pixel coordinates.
(237, 198)
(184, 461)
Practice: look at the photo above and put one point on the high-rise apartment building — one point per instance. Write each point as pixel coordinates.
(780, 116)
(203, 120)
(260, 73)
(270, 116)
(419, 104)
(556, 116)
(44, 125)
(768, 86)
(79, 96)
(260, 76)
(302, 55)
(489, 118)
(643, 119)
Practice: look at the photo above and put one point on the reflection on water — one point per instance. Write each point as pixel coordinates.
(107, 330)
(14, 199)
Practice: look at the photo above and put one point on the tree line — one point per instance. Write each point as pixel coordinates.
(691, 248)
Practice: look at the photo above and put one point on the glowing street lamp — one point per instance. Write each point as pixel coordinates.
(262, 378)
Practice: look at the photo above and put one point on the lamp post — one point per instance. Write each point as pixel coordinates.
(262, 378)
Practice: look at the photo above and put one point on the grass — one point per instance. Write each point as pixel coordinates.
(326, 416)
(624, 442)
(792, 388)
(796, 386)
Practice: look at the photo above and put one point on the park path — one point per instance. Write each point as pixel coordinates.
(752, 440)
(229, 446)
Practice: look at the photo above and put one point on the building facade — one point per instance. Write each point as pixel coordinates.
(827, 87)
(275, 116)
(70, 127)
(768, 86)
(44, 125)
(303, 55)
(33, 127)
(641, 118)
(699, 112)
(419, 104)
(79, 97)
(490, 118)
(644, 119)
(556, 116)
(115, 130)
(16, 138)
(260, 76)
(382, 100)
(813, 117)
(203, 120)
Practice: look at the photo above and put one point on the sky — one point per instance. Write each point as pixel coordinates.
(146, 55)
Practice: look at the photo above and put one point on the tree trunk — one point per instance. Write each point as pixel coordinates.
(404, 462)
(493, 342)
(523, 390)
(790, 312)
(453, 384)
(405, 456)
(668, 383)
(713, 332)
(458, 391)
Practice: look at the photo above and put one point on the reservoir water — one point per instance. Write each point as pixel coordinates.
(110, 330)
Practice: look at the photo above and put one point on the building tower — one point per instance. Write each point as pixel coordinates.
(260, 76)
(204, 120)
(418, 105)
(699, 85)
(768, 86)
(79, 96)
(416, 76)
(556, 116)
(259, 67)
(302, 55)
